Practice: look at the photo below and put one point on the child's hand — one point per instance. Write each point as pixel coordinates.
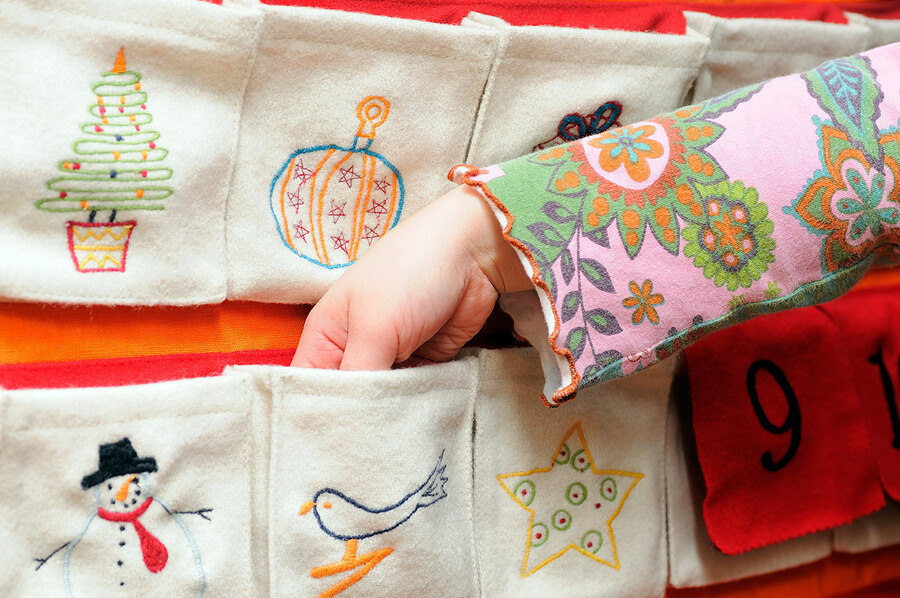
(426, 288)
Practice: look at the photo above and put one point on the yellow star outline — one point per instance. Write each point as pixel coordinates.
(636, 477)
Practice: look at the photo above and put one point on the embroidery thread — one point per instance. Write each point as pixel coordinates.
(338, 196)
(572, 505)
(118, 168)
(576, 126)
(121, 487)
(344, 518)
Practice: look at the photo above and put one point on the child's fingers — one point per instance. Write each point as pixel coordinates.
(323, 338)
(370, 346)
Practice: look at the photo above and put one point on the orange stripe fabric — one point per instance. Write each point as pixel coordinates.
(837, 574)
(34, 332)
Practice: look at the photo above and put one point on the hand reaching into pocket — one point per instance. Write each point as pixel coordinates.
(424, 289)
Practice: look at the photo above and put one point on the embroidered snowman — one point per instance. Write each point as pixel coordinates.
(134, 544)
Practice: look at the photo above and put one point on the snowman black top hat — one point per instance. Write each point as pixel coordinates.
(118, 458)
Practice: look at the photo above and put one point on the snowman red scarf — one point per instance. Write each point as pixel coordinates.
(154, 552)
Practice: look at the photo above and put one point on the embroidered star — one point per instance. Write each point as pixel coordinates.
(378, 209)
(294, 200)
(337, 211)
(382, 185)
(348, 175)
(572, 505)
(371, 235)
(303, 173)
(300, 232)
(340, 242)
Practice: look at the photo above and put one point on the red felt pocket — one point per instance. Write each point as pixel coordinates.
(780, 433)
(870, 332)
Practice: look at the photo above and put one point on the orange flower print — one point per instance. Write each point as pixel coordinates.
(643, 300)
(631, 147)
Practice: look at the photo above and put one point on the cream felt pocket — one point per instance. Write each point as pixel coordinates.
(881, 31)
(370, 482)
(747, 51)
(549, 85)
(119, 129)
(138, 490)
(350, 124)
(877, 530)
(693, 559)
(573, 497)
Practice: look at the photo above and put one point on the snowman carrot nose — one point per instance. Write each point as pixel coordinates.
(122, 494)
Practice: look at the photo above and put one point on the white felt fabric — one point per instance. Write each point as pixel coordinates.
(881, 31)
(693, 559)
(747, 51)
(870, 532)
(298, 215)
(193, 59)
(542, 74)
(386, 457)
(196, 432)
(546, 538)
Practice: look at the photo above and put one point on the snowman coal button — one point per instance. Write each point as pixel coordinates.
(170, 562)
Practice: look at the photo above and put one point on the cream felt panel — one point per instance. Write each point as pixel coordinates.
(870, 532)
(881, 31)
(370, 482)
(588, 481)
(350, 123)
(542, 74)
(65, 454)
(693, 560)
(747, 51)
(191, 61)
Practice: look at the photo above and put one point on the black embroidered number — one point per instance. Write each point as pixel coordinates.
(791, 421)
(889, 396)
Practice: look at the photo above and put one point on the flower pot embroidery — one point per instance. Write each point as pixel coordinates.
(331, 203)
(117, 168)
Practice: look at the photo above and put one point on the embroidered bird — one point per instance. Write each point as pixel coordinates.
(345, 518)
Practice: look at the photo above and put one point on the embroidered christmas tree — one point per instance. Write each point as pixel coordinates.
(118, 166)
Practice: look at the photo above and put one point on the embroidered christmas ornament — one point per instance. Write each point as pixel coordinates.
(576, 500)
(151, 497)
(523, 109)
(118, 167)
(304, 184)
(348, 196)
(116, 171)
(744, 51)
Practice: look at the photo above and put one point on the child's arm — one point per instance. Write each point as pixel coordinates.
(426, 288)
(642, 239)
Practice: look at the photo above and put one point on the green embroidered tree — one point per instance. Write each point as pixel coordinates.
(118, 167)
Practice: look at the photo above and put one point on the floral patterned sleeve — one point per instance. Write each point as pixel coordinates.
(642, 239)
